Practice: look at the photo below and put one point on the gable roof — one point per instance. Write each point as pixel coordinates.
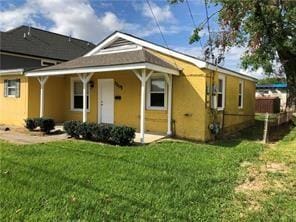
(111, 39)
(40, 43)
(118, 59)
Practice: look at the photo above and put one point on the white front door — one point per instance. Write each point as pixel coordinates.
(106, 100)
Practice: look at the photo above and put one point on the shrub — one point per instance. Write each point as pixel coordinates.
(102, 132)
(122, 135)
(30, 124)
(85, 130)
(46, 125)
(37, 121)
(71, 128)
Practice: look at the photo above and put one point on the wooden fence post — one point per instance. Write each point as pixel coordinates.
(265, 132)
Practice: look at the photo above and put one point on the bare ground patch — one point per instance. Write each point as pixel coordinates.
(257, 183)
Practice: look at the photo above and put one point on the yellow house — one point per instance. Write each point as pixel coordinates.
(127, 80)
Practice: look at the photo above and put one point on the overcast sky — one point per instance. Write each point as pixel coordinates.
(93, 20)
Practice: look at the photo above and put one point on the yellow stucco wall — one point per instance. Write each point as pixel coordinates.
(188, 101)
(54, 98)
(14, 110)
(233, 117)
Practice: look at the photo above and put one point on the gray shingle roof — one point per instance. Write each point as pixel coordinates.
(112, 59)
(43, 44)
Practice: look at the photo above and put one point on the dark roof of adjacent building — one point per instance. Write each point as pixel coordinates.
(272, 86)
(40, 43)
(111, 59)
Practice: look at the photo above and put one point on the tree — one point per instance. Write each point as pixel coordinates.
(271, 80)
(267, 28)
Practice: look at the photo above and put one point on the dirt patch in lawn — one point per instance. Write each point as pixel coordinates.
(257, 183)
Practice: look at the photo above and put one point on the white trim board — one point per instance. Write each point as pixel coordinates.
(103, 69)
(6, 72)
(199, 63)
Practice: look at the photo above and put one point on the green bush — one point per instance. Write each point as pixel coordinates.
(107, 133)
(37, 121)
(30, 124)
(85, 130)
(102, 132)
(71, 128)
(122, 135)
(46, 125)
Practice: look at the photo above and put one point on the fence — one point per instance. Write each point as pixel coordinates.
(275, 120)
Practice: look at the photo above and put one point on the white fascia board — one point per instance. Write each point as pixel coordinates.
(146, 44)
(229, 72)
(143, 43)
(6, 72)
(103, 69)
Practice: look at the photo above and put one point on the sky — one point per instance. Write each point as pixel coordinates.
(93, 20)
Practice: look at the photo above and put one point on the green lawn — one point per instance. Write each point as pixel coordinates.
(168, 181)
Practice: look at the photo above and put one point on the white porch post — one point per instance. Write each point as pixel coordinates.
(85, 77)
(169, 81)
(142, 115)
(42, 80)
(143, 78)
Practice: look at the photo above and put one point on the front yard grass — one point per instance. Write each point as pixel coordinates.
(167, 181)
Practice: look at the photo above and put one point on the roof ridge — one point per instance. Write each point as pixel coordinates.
(43, 30)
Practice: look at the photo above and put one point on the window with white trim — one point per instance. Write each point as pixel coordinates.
(12, 88)
(77, 95)
(156, 98)
(221, 92)
(240, 94)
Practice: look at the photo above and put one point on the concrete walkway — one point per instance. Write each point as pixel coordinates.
(13, 136)
(149, 138)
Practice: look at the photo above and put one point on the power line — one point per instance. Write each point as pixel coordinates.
(156, 22)
(192, 19)
(209, 31)
(162, 35)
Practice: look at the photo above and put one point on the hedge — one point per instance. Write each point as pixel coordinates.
(107, 133)
(45, 124)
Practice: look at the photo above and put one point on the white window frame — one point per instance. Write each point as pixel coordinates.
(11, 87)
(148, 93)
(241, 94)
(221, 77)
(76, 79)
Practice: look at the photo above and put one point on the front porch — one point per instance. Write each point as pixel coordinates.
(137, 95)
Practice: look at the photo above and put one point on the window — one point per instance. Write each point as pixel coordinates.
(221, 92)
(156, 93)
(240, 94)
(77, 95)
(12, 88)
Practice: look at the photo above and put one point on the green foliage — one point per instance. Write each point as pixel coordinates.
(122, 135)
(71, 128)
(45, 124)
(271, 80)
(85, 130)
(266, 28)
(30, 124)
(107, 133)
(102, 132)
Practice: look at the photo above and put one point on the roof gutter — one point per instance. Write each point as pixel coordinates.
(102, 69)
(228, 71)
